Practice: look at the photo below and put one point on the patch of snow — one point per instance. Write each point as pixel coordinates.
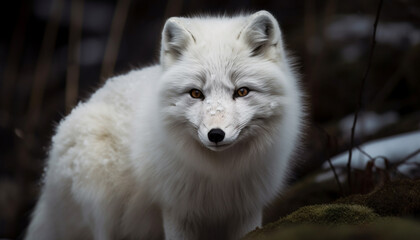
(394, 148)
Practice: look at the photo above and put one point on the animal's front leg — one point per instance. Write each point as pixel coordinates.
(225, 228)
(245, 225)
(177, 227)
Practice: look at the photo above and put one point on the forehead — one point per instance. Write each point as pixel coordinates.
(217, 50)
(220, 65)
(215, 38)
(219, 60)
(214, 28)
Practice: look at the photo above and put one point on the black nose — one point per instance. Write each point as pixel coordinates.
(216, 135)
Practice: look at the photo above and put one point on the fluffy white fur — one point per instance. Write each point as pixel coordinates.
(135, 162)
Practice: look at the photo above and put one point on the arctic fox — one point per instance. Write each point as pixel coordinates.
(191, 148)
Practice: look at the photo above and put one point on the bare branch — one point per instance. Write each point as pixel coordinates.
(328, 144)
(408, 157)
(337, 179)
(365, 153)
(359, 103)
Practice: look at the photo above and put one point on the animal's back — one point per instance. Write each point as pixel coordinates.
(88, 165)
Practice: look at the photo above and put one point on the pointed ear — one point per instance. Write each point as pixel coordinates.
(262, 34)
(175, 40)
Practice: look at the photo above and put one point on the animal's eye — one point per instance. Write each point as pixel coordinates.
(195, 93)
(242, 92)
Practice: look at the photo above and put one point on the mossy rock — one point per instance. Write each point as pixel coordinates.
(330, 214)
(335, 222)
(370, 216)
(381, 229)
(307, 191)
(327, 215)
(398, 198)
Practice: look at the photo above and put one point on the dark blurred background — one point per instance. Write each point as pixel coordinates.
(54, 53)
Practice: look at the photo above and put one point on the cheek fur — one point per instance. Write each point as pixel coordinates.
(255, 109)
(194, 114)
(174, 109)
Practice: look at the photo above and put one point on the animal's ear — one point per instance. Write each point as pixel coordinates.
(262, 34)
(175, 40)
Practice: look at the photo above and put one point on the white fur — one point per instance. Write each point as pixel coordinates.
(135, 162)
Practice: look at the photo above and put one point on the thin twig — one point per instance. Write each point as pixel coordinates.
(372, 159)
(73, 68)
(359, 103)
(365, 153)
(337, 179)
(112, 47)
(408, 157)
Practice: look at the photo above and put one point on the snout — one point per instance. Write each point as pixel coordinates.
(218, 138)
(218, 130)
(216, 135)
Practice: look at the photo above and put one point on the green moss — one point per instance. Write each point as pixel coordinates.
(303, 193)
(353, 217)
(327, 215)
(381, 229)
(398, 198)
(330, 214)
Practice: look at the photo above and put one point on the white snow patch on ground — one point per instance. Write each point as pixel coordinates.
(394, 148)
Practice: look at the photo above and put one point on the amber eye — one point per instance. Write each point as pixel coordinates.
(242, 92)
(195, 93)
